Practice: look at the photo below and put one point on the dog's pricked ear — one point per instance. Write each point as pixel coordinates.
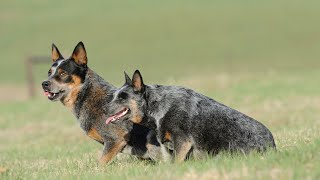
(137, 81)
(79, 54)
(127, 78)
(56, 55)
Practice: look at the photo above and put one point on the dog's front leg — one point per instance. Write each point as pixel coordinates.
(93, 134)
(110, 150)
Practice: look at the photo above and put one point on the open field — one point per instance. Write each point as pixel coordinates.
(261, 58)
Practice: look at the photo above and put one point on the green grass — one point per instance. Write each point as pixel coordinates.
(260, 57)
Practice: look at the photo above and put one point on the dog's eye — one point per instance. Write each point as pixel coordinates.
(49, 72)
(123, 95)
(63, 74)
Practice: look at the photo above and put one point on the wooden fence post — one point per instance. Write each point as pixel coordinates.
(29, 72)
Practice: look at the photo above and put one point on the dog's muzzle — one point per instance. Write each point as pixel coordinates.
(46, 85)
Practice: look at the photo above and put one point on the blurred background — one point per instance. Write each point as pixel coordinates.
(178, 38)
(260, 57)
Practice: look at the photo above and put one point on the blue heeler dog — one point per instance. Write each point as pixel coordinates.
(86, 94)
(190, 122)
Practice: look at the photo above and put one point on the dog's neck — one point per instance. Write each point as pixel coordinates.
(93, 89)
(154, 110)
(70, 99)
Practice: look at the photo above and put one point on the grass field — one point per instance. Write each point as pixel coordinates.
(260, 57)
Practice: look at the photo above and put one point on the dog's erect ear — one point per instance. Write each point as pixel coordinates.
(137, 81)
(56, 55)
(79, 54)
(127, 78)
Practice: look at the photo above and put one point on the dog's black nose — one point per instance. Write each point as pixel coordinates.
(45, 84)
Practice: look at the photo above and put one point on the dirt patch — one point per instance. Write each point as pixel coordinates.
(3, 170)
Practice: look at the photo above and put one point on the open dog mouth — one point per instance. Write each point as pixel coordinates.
(117, 116)
(51, 95)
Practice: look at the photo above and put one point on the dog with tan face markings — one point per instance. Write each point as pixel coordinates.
(192, 123)
(86, 94)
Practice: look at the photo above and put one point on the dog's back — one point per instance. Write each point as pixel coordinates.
(211, 125)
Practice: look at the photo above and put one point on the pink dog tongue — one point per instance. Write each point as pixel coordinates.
(109, 119)
(116, 116)
(46, 93)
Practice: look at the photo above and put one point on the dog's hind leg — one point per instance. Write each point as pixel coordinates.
(182, 147)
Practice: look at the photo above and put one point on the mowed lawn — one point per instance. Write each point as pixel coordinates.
(261, 58)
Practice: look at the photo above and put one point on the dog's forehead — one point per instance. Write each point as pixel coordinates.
(122, 89)
(125, 88)
(57, 63)
(65, 64)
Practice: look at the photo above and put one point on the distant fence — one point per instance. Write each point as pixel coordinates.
(29, 63)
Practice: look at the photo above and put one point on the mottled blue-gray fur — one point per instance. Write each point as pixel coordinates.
(212, 125)
(188, 120)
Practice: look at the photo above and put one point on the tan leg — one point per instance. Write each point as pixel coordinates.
(182, 150)
(93, 134)
(153, 152)
(110, 151)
